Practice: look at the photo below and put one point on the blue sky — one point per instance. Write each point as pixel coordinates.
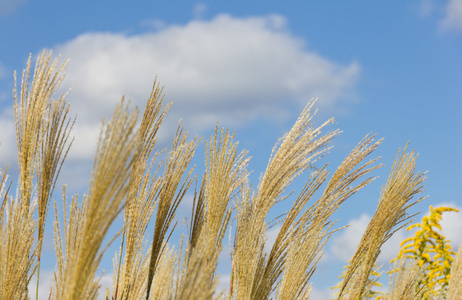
(388, 67)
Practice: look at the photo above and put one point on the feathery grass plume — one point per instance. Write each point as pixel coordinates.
(299, 243)
(108, 188)
(287, 251)
(375, 274)
(195, 280)
(197, 215)
(405, 281)
(16, 266)
(293, 154)
(395, 200)
(74, 218)
(267, 270)
(170, 196)
(53, 151)
(141, 198)
(137, 216)
(455, 281)
(225, 172)
(39, 118)
(163, 285)
(41, 136)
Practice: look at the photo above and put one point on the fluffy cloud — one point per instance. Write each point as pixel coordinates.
(231, 70)
(226, 69)
(451, 223)
(453, 18)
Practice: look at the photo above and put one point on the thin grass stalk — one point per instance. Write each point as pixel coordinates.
(405, 281)
(455, 281)
(303, 254)
(142, 206)
(163, 284)
(170, 195)
(396, 198)
(225, 172)
(54, 149)
(197, 215)
(293, 155)
(314, 222)
(108, 188)
(142, 195)
(41, 134)
(71, 238)
(16, 268)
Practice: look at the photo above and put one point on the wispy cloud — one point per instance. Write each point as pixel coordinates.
(449, 12)
(453, 15)
(9, 6)
(199, 10)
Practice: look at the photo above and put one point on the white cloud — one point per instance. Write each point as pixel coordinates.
(451, 223)
(8, 152)
(105, 283)
(453, 17)
(46, 280)
(223, 283)
(227, 69)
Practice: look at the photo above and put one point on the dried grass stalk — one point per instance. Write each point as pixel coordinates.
(141, 200)
(253, 276)
(455, 281)
(405, 281)
(225, 172)
(300, 242)
(108, 188)
(396, 198)
(170, 195)
(42, 132)
(17, 228)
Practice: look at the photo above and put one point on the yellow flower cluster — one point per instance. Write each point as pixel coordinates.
(432, 250)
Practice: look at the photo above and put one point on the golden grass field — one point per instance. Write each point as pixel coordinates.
(128, 179)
